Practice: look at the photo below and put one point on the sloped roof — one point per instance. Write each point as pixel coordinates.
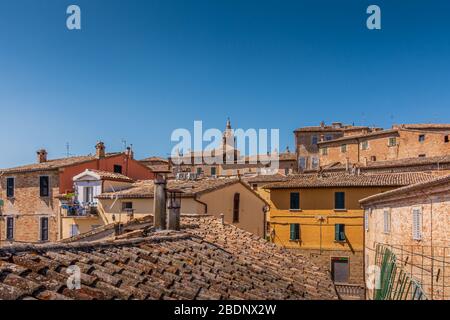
(265, 178)
(145, 188)
(205, 260)
(351, 180)
(443, 180)
(359, 136)
(55, 164)
(106, 175)
(154, 158)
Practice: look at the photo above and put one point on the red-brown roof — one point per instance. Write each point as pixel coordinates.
(327, 180)
(112, 176)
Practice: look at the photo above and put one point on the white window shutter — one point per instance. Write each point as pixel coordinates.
(417, 224)
(387, 221)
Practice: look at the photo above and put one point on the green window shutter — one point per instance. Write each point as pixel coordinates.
(339, 200)
(294, 231)
(339, 232)
(295, 200)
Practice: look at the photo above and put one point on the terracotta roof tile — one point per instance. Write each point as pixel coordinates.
(351, 180)
(106, 175)
(205, 260)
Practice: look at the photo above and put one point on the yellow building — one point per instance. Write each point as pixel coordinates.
(320, 215)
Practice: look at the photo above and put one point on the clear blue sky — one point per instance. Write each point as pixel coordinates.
(139, 69)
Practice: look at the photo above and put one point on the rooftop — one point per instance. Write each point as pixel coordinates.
(326, 180)
(205, 260)
(106, 175)
(422, 186)
(55, 163)
(360, 136)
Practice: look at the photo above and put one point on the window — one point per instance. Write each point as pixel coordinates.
(88, 194)
(339, 200)
(417, 224)
(9, 228)
(294, 232)
(339, 232)
(127, 206)
(343, 148)
(118, 168)
(366, 219)
(315, 162)
(295, 201)
(74, 230)
(328, 137)
(213, 171)
(314, 140)
(44, 190)
(373, 158)
(199, 171)
(421, 137)
(302, 163)
(392, 142)
(236, 203)
(255, 186)
(387, 221)
(44, 229)
(286, 171)
(340, 270)
(422, 155)
(10, 187)
(324, 151)
(446, 139)
(365, 145)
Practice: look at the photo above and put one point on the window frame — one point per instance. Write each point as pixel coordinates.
(387, 220)
(344, 148)
(336, 200)
(236, 207)
(294, 232)
(338, 232)
(316, 138)
(215, 171)
(324, 151)
(41, 194)
(291, 201)
(118, 168)
(8, 227)
(365, 145)
(392, 139)
(417, 234)
(47, 230)
(421, 138)
(10, 195)
(124, 206)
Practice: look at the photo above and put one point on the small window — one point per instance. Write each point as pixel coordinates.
(74, 231)
(118, 168)
(199, 171)
(213, 171)
(255, 186)
(286, 171)
(127, 206)
(302, 163)
(44, 229)
(9, 228)
(387, 221)
(392, 142)
(10, 187)
(422, 155)
(339, 232)
(339, 200)
(294, 232)
(417, 224)
(328, 137)
(366, 219)
(295, 201)
(421, 138)
(314, 140)
(446, 139)
(236, 205)
(314, 162)
(344, 148)
(324, 151)
(365, 145)
(44, 190)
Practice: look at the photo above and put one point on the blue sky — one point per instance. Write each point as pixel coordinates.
(139, 69)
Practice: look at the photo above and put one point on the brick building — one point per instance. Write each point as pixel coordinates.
(307, 140)
(30, 194)
(399, 142)
(412, 224)
(320, 217)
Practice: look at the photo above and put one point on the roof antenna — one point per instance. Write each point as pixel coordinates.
(68, 154)
(124, 142)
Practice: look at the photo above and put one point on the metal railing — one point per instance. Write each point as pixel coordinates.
(350, 291)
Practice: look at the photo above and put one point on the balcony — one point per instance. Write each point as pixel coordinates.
(79, 210)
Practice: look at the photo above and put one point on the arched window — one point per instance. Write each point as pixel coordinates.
(236, 201)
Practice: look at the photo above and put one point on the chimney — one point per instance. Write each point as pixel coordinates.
(100, 150)
(322, 124)
(129, 152)
(159, 202)
(41, 156)
(222, 218)
(174, 205)
(347, 165)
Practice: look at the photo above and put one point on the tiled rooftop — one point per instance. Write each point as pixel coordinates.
(105, 175)
(54, 164)
(145, 188)
(265, 178)
(205, 260)
(351, 180)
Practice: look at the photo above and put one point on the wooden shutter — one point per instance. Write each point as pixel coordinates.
(387, 221)
(295, 200)
(294, 231)
(417, 224)
(10, 187)
(236, 204)
(44, 186)
(44, 229)
(339, 232)
(9, 228)
(339, 200)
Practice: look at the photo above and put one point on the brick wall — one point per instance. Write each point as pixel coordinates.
(27, 206)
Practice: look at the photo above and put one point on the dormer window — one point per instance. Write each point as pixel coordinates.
(118, 168)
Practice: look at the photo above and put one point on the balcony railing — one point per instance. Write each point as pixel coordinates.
(350, 291)
(80, 210)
